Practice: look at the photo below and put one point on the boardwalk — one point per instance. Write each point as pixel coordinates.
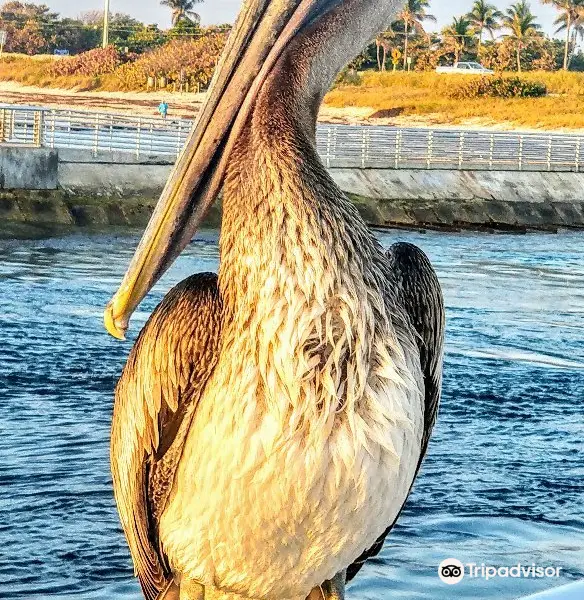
(367, 147)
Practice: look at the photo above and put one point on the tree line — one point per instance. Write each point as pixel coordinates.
(35, 29)
(509, 39)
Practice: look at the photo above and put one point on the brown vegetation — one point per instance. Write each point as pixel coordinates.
(430, 96)
(179, 63)
(400, 98)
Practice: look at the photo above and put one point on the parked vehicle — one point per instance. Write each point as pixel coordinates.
(466, 68)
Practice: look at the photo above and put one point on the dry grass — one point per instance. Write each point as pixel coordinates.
(35, 71)
(401, 98)
(403, 95)
(18, 55)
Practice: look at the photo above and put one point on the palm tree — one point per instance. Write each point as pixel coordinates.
(460, 31)
(572, 16)
(182, 9)
(382, 41)
(413, 16)
(521, 22)
(484, 16)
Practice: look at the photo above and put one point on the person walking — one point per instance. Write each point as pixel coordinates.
(163, 109)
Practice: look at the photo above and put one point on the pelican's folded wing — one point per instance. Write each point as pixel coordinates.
(420, 294)
(156, 398)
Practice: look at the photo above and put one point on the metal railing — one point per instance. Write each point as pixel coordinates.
(98, 132)
(371, 147)
(367, 147)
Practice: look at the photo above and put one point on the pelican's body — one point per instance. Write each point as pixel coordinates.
(297, 466)
(270, 423)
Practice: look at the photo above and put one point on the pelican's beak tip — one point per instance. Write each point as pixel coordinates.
(113, 325)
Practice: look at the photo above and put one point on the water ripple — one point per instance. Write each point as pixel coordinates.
(503, 482)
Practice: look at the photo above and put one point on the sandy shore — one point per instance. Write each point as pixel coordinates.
(188, 106)
(143, 103)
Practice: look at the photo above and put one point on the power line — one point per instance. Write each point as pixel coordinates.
(198, 31)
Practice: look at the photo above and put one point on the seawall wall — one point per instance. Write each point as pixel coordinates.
(28, 168)
(77, 188)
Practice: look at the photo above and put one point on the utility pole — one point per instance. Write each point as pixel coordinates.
(106, 24)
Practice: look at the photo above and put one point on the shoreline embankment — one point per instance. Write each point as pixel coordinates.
(40, 186)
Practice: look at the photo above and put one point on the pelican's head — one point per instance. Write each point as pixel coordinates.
(266, 33)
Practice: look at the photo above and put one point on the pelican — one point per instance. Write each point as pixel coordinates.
(271, 419)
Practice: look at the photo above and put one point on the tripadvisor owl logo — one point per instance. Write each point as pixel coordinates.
(451, 571)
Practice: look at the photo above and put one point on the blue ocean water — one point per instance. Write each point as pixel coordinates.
(503, 483)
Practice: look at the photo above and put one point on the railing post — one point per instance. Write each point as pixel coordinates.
(328, 147)
(521, 153)
(37, 128)
(578, 146)
(364, 146)
(460, 149)
(368, 145)
(549, 154)
(3, 113)
(139, 138)
(96, 137)
(430, 149)
(69, 125)
(398, 141)
(491, 151)
(53, 119)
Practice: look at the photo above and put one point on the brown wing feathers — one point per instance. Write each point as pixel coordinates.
(156, 398)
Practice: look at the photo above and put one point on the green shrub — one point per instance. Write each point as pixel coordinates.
(498, 87)
(348, 76)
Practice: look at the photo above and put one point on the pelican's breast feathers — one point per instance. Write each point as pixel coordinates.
(307, 437)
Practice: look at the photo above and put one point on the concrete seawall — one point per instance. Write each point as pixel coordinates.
(491, 199)
(28, 168)
(77, 188)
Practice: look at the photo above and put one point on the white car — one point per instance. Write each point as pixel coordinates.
(466, 68)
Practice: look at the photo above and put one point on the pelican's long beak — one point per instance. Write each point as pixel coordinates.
(263, 29)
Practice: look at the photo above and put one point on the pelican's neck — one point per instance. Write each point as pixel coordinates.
(297, 278)
(302, 281)
(278, 201)
(281, 209)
